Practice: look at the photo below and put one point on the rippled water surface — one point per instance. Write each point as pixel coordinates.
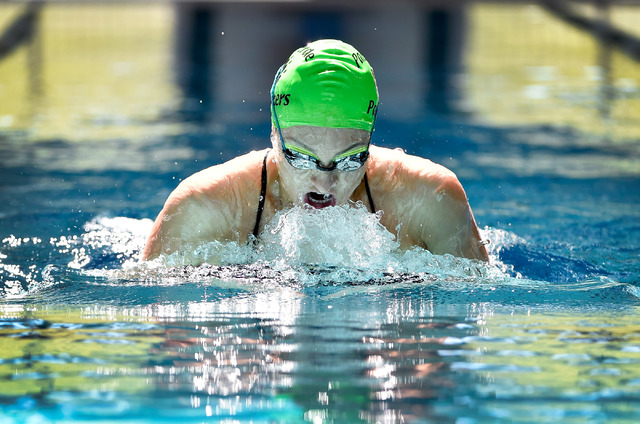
(326, 320)
(311, 327)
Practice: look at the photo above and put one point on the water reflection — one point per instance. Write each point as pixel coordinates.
(292, 354)
(332, 362)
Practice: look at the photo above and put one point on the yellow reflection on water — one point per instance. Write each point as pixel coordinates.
(47, 350)
(560, 353)
(102, 71)
(216, 348)
(527, 66)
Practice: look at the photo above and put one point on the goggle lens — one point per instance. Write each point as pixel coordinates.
(348, 161)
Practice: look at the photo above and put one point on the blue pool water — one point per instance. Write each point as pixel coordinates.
(324, 331)
(327, 321)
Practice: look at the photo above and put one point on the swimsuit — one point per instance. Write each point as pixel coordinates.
(263, 195)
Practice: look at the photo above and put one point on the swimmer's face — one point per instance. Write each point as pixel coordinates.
(315, 187)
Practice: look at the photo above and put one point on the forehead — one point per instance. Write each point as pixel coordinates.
(321, 138)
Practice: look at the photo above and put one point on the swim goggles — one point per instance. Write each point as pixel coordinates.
(300, 158)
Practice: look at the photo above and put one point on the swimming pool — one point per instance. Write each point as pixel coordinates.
(327, 321)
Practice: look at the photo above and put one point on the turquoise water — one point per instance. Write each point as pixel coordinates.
(326, 321)
(323, 323)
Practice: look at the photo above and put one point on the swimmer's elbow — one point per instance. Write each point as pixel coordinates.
(151, 250)
(167, 223)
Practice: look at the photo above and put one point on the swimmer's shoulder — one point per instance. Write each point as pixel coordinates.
(396, 159)
(398, 169)
(234, 176)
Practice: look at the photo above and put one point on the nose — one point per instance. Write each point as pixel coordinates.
(324, 181)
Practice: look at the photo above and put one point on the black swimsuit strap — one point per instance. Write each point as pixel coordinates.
(263, 196)
(366, 187)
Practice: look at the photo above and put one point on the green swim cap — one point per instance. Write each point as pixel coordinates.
(327, 83)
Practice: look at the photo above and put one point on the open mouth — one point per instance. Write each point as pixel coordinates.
(318, 200)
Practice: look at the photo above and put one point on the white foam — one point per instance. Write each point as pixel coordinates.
(119, 234)
(304, 246)
(341, 236)
(335, 244)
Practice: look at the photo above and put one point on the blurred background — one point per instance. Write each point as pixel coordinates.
(77, 69)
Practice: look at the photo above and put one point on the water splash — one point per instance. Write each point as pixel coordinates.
(343, 236)
(30, 264)
(343, 245)
(112, 240)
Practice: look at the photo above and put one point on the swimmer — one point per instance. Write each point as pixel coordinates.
(324, 102)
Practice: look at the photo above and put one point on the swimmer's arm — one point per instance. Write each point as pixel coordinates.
(185, 219)
(447, 222)
(203, 208)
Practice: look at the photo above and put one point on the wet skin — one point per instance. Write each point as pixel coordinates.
(422, 203)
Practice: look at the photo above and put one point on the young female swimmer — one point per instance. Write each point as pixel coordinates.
(324, 101)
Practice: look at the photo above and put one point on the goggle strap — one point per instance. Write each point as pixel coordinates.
(273, 106)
